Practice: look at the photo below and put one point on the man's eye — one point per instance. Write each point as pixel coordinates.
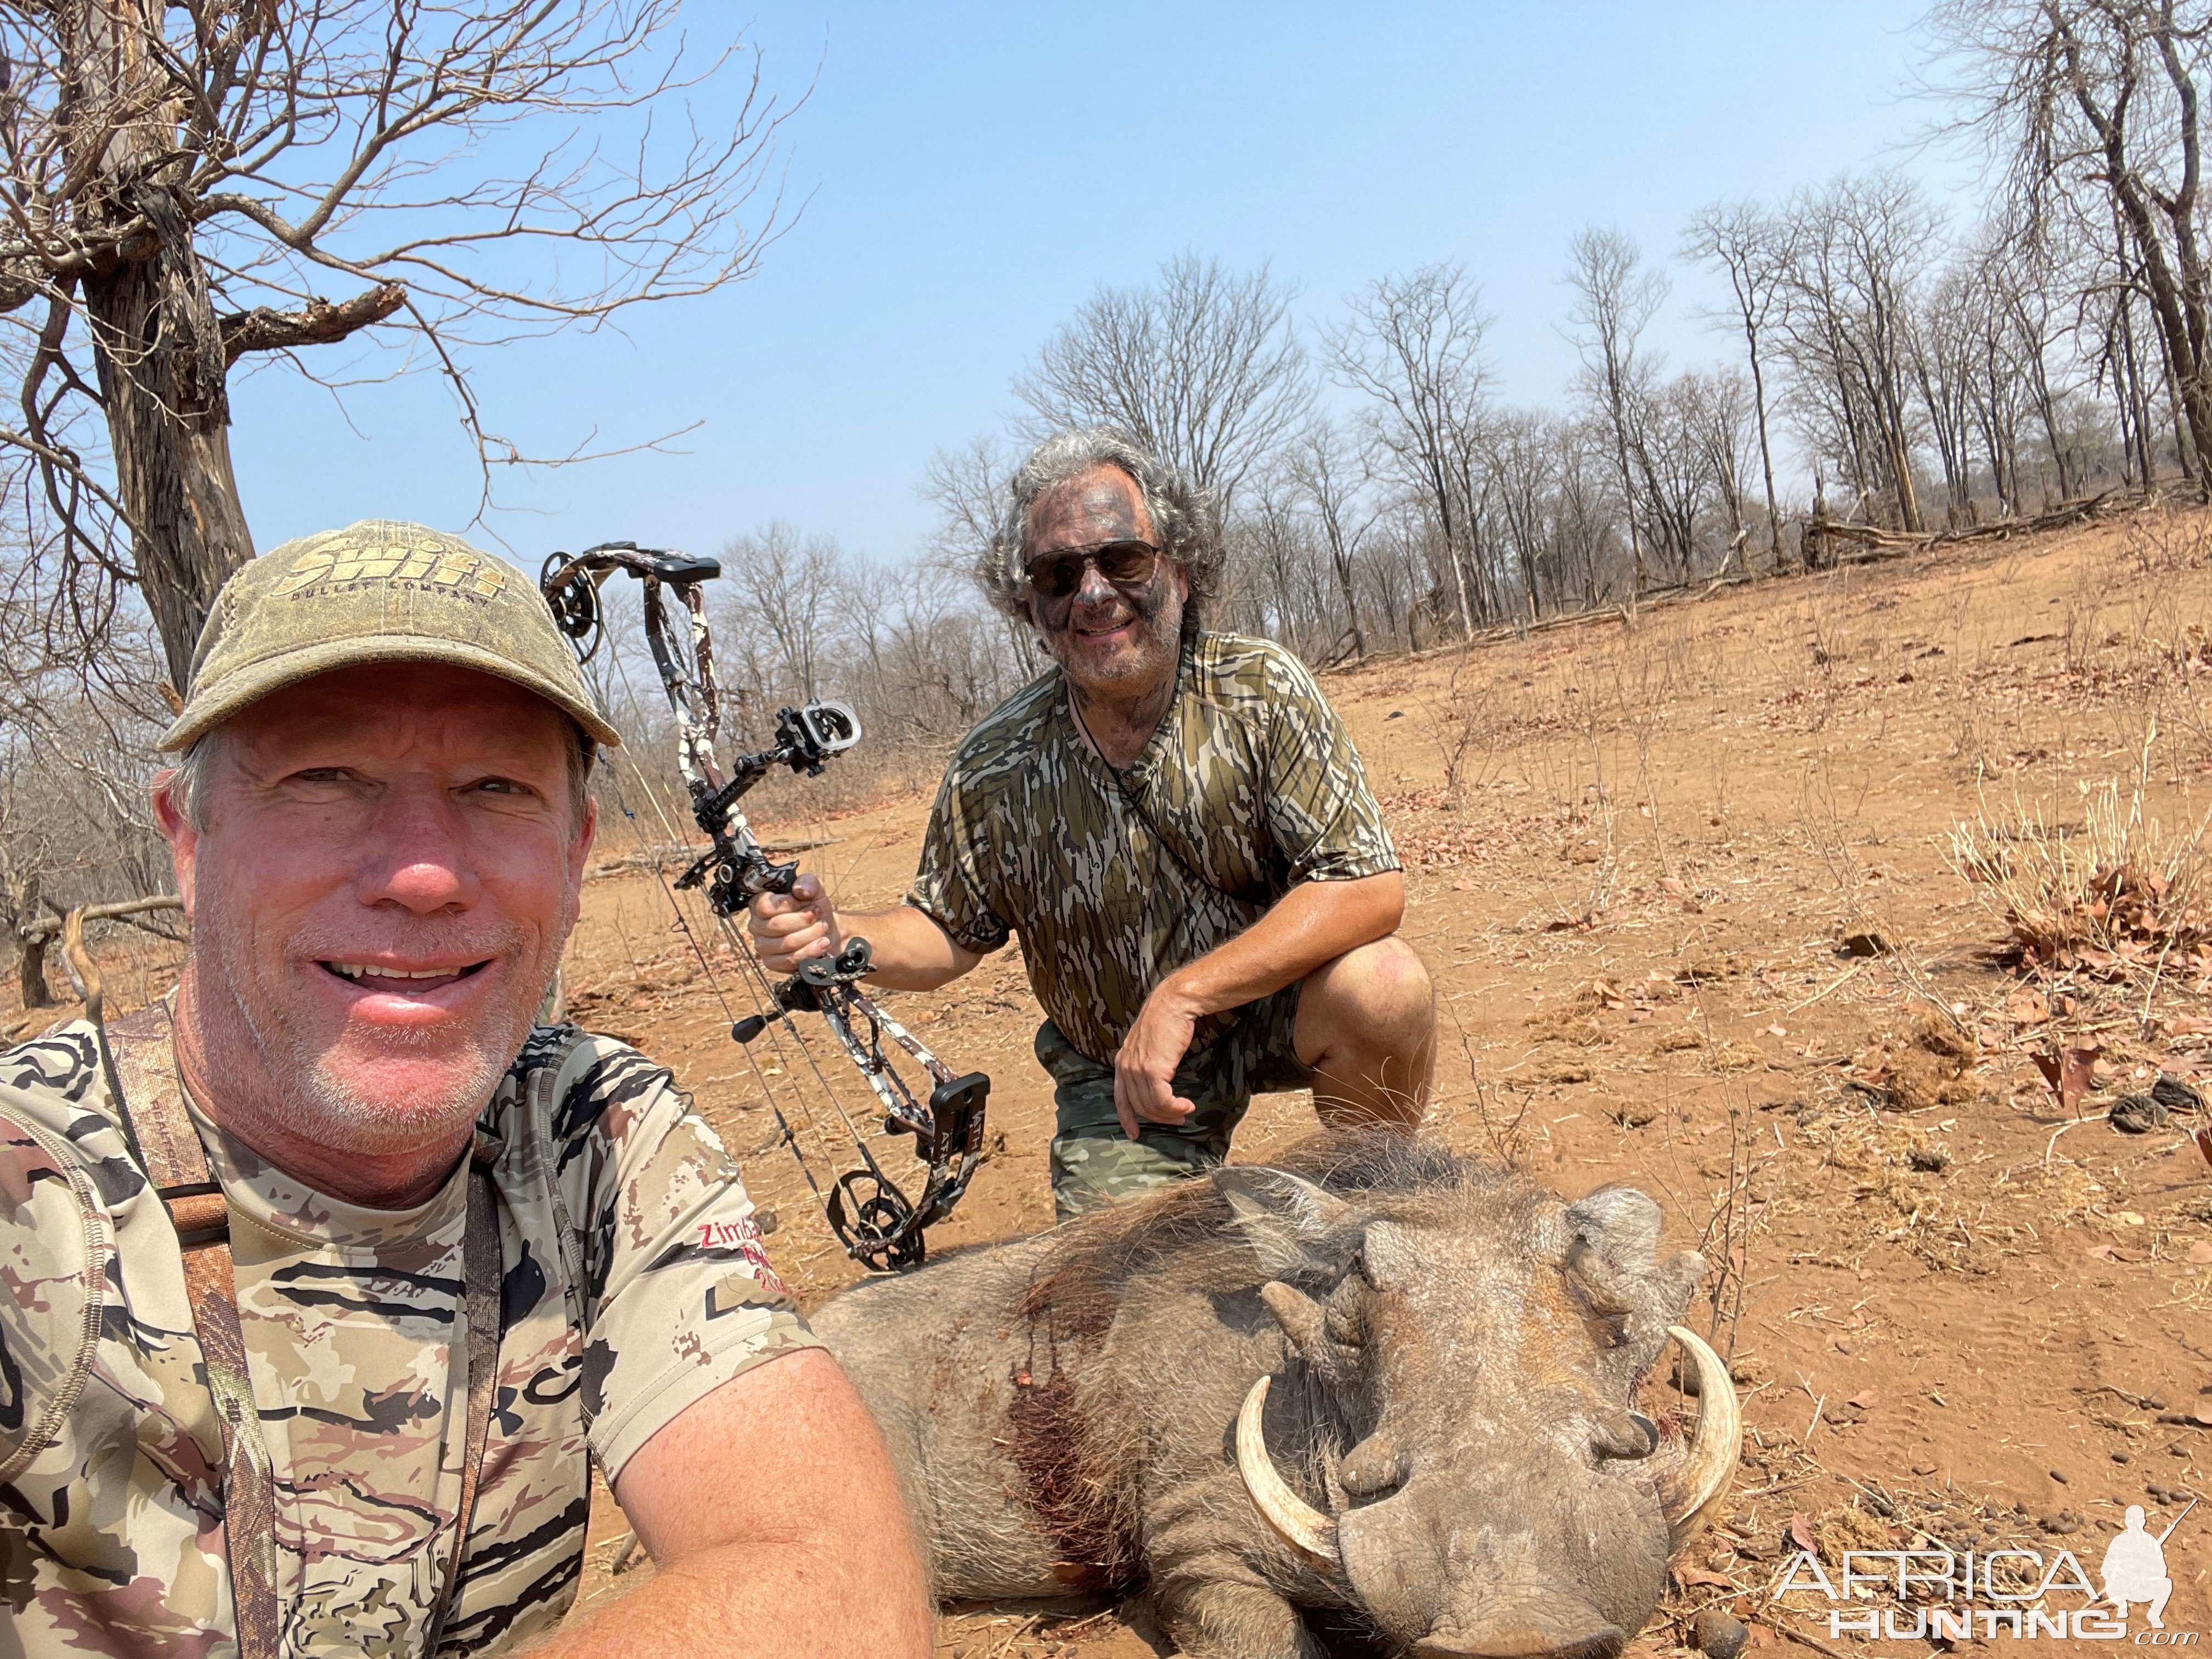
(502, 787)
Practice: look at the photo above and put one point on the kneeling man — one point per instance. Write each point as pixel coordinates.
(1176, 823)
(322, 1283)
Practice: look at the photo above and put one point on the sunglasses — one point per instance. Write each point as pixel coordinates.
(1125, 564)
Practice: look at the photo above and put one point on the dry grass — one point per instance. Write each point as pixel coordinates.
(2121, 893)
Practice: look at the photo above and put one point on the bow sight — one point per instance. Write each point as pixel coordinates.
(874, 1220)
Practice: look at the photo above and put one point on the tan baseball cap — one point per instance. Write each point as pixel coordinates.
(377, 590)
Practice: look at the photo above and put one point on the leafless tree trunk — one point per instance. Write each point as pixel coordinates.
(1329, 475)
(1614, 301)
(1414, 346)
(1751, 247)
(2099, 99)
(183, 180)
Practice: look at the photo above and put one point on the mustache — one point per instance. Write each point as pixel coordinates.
(462, 937)
(1144, 607)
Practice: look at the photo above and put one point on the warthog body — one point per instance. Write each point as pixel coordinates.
(1453, 1357)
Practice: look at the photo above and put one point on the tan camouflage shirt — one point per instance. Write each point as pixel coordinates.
(1251, 780)
(634, 1283)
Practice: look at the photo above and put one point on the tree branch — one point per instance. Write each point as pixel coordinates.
(321, 323)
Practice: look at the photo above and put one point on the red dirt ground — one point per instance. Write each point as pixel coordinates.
(1962, 1311)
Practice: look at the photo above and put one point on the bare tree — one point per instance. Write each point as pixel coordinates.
(193, 184)
(1751, 247)
(777, 615)
(1613, 301)
(1414, 345)
(1204, 368)
(969, 486)
(1327, 473)
(1858, 250)
(2093, 102)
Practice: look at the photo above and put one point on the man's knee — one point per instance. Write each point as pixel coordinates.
(1379, 995)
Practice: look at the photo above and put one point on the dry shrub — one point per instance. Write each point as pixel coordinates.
(2119, 893)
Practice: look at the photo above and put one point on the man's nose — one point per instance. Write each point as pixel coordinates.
(416, 856)
(1095, 590)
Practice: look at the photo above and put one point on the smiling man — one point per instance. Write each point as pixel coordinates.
(1177, 826)
(323, 1284)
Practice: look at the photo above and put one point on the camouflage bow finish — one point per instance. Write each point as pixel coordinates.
(876, 1222)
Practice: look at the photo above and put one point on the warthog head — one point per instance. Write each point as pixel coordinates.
(1467, 1349)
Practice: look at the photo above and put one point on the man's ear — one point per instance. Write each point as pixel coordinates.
(168, 790)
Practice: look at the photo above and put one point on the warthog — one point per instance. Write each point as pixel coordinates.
(1375, 1395)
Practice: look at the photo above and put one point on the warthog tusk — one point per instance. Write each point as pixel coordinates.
(1302, 1526)
(1704, 1478)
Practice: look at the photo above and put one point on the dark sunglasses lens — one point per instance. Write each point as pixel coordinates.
(1125, 562)
(1058, 577)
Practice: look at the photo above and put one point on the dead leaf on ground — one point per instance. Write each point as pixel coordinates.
(1866, 1399)
(2200, 1254)
(2027, 1006)
(1801, 1532)
(2071, 1074)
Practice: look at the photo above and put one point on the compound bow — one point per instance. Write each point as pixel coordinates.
(875, 1221)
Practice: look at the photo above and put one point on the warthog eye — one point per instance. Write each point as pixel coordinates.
(1610, 1329)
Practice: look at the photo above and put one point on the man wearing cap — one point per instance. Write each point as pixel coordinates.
(323, 1283)
(1175, 823)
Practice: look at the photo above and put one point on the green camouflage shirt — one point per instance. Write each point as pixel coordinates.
(1251, 779)
(635, 1284)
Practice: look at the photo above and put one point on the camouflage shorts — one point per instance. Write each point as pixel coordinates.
(1093, 1162)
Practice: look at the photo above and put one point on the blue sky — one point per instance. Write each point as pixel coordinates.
(971, 173)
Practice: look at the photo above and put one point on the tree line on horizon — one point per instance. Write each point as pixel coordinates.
(186, 211)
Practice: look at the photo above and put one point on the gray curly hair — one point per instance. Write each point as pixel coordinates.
(1183, 516)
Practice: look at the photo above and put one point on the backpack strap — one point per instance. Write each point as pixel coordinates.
(149, 1100)
(140, 1056)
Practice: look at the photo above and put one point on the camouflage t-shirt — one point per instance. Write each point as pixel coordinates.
(634, 1283)
(1251, 779)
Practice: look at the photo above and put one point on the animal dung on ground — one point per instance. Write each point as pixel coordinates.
(1717, 1632)
(2138, 1115)
(1935, 1066)
(2171, 1092)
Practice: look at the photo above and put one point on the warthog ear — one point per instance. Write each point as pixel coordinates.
(1292, 1225)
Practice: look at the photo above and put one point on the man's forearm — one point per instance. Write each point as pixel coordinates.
(911, 950)
(751, 1501)
(1313, 923)
(762, 1599)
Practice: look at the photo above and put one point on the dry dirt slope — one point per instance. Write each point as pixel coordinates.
(1963, 1311)
(1636, 850)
